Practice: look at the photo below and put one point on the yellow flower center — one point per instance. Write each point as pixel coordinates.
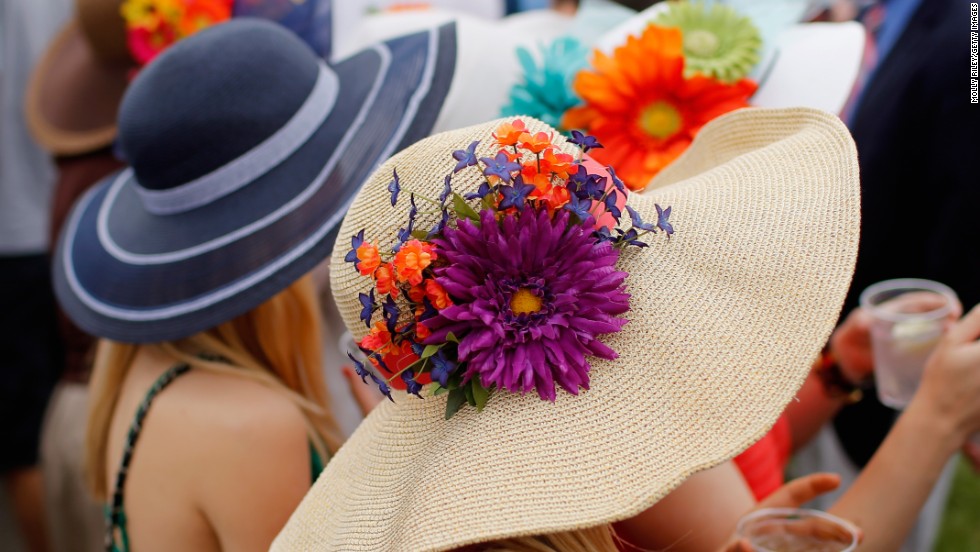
(701, 43)
(524, 302)
(660, 120)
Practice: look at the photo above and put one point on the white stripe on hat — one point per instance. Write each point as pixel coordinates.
(254, 163)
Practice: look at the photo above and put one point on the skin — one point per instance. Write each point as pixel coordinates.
(793, 495)
(221, 462)
(850, 345)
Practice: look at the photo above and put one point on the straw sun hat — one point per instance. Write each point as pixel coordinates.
(724, 321)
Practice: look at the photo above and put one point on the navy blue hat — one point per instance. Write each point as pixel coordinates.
(246, 150)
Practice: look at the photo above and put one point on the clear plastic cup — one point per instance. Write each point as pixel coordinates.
(904, 332)
(797, 530)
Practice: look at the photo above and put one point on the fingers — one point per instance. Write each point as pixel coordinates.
(968, 328)
(740, 545)
(366, 396)
(802, 490)
(957, 311)
(861, 319)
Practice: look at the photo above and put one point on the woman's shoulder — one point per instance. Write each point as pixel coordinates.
(237, 448)
(220, 405)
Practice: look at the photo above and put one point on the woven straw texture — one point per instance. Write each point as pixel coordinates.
(726, 319)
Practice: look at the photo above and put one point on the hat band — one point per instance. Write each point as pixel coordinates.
(254, 163)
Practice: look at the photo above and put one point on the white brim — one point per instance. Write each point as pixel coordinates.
(814, 65)
(486, 57)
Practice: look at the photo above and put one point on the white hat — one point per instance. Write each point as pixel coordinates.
(803, 64)
(486, 65)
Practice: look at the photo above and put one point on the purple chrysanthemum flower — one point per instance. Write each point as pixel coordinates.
(532, 296)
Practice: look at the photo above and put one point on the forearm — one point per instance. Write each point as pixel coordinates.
(700, 515)
(813, 408)
(886, 498)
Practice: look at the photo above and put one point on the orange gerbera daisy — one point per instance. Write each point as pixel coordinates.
(642, 109)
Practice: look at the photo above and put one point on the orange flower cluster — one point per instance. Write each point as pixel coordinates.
(395, 356)
(549, 168)
(643, 109)
(369, 257)
(438, 298)
(413, 258)
(408, 267)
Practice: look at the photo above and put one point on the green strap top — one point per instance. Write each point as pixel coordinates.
(115, 514)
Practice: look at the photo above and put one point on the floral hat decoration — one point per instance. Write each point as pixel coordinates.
(571, 352)
(645, 98)
(512, 294)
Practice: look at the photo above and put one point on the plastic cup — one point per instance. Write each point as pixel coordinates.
(797, 530)
(904, 332)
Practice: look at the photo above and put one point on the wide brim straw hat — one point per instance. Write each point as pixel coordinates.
(75, 90)
(804, 64)
(246, 149)
(726, 318)
(486, 63)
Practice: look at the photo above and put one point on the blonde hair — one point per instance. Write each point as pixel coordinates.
(277, 344)
(592, 539)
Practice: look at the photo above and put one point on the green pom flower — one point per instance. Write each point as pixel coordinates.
(718, 42)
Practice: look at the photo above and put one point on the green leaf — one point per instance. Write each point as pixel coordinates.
(452, 337)
(480, 393)
(456, 400)
(430, 350)
(463, 209)
(438, 390)
(420, 234)
(468, 389)
(488, 201)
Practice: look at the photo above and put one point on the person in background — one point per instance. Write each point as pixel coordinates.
(30, 360)
(915, 131)
(71, 107)
(909, 464)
